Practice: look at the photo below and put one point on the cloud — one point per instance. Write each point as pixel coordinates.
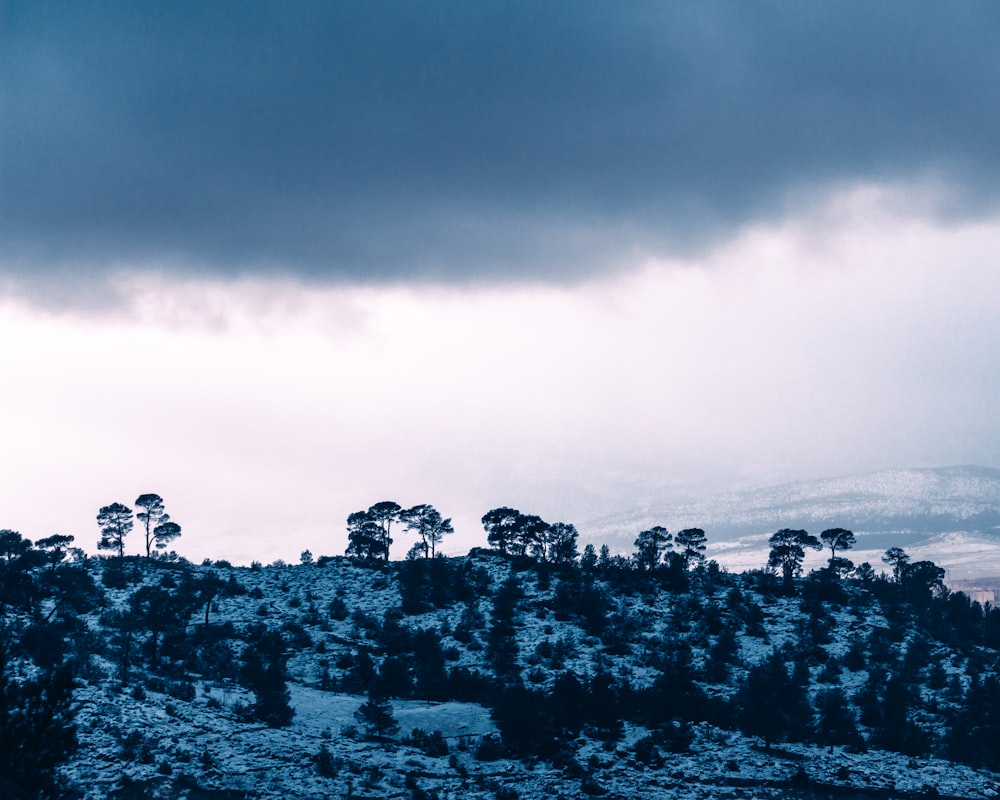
(849, 341)
(465, 142)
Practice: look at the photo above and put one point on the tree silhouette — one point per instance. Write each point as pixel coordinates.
(152, 516)
(922, 579)
(691, 541)
(650, 546)
(837, 539)
(788, 551)
(426, 522)
(13, 546)
(368, 532)
(364, 537)
(501, 528)
(166, 532)
(115, 522)
(384, 514)
(896, 558)
(54, 547)
(530, 532)
(560, 543)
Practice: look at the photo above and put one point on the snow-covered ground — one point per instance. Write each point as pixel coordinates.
(154, 745)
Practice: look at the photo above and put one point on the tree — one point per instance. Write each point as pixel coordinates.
(383, 515)
(426, 522)
(377, 717)
(923, 579)
(770, 704)
(788, 551)
(501, 646)
(115, 522)
(155, 609)
(151, 517)
(530, 532)
(264, 672)
(560, 543)
(54, 547)
(865, 573)
(501, 528)
(836, 723)
(840, 566)
(837, 539)
(692, 543)
(650, 546)
(364, 537)
(166, 532)
(896, 558)
(12, 545)
(368, 532)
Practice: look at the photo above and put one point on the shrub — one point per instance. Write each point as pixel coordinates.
(490, 748)
(432, 744)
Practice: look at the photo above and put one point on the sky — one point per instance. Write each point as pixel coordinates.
(277, 262)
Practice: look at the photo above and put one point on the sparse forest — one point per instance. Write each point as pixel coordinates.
(580, 674)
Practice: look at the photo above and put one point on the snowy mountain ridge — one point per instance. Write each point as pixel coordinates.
(921, 508)
(903, 500)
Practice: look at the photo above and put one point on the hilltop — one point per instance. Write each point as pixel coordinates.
(496, 676)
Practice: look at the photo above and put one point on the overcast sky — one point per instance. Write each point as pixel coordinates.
(279, 261)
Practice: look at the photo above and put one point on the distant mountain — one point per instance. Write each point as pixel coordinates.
(954, 511)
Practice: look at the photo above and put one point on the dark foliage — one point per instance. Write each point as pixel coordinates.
(37, 733)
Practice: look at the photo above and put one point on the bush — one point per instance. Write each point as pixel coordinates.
(490, 748)
(325, 765)
(432, 744)
(181, 690)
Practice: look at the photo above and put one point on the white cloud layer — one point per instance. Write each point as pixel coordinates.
(264, 412)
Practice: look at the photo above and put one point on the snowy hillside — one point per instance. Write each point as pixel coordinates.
(950, 514)
(502, 678)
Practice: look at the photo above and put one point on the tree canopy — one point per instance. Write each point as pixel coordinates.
(788, 551)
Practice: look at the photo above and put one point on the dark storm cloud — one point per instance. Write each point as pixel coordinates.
(467, 141)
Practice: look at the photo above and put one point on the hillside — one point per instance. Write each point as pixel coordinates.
(950, 514)
(508, 678)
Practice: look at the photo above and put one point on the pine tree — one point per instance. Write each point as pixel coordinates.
(268, 680)
(376, 716)
(836, 723)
